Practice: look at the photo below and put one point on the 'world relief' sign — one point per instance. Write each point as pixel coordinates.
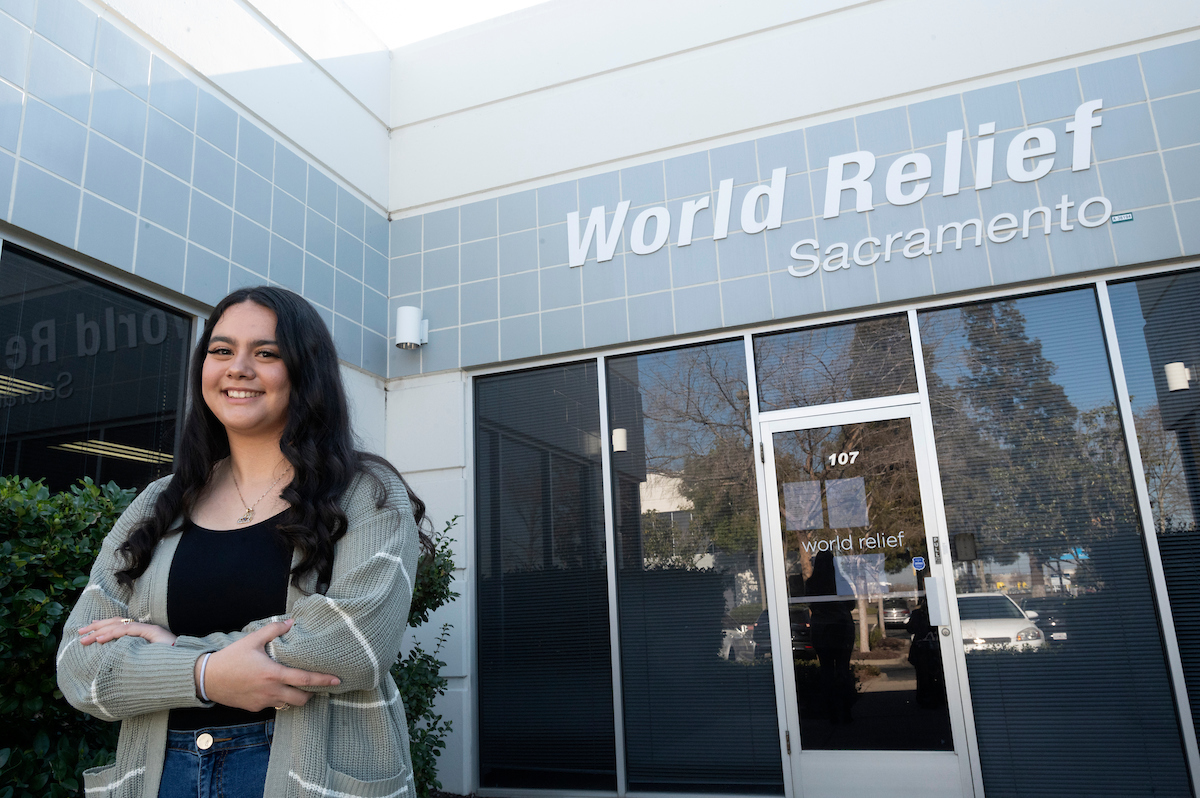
(1030, 156)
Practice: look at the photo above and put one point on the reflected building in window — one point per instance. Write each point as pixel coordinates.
(93, 377)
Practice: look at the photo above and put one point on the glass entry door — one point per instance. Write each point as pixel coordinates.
(872, 697)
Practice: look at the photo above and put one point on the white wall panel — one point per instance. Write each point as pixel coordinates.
(425, 423)
(456, 771)
(227, 43)
(851, 59)
(368, 399)
(445, 495)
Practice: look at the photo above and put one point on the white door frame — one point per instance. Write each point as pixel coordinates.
(820, 773)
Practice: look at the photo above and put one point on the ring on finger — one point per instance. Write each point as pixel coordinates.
(283, 706)
(127, 620)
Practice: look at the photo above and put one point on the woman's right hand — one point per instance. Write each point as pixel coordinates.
(242, 675)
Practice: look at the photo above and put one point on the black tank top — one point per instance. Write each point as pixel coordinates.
(219, 582)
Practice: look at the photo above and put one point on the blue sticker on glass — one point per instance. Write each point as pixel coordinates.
(918, 563)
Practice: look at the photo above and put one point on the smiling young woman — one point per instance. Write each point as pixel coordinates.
(243, 612)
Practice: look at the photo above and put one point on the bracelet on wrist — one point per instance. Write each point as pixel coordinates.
(200, 682)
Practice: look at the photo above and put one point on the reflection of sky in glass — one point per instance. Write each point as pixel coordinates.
(1127, 315)
(802, 505)
(1068, 326)
(847, 502)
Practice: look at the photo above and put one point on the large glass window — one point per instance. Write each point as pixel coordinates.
(1041, 511)
(545, 662)
(837, 363)
(699, 693)
(92, 377)
(1160, 349)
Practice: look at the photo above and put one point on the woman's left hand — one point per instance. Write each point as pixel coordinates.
(111, 629)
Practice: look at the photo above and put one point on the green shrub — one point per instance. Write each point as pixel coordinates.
(418, 676)
(49, 543)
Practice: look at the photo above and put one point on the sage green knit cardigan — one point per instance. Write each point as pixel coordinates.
(349, 740)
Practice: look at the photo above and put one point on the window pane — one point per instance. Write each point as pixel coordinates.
(1040, 508)
(545, 663)
(92, 379)
(820, 365)
(699, 692)
(1157, 334)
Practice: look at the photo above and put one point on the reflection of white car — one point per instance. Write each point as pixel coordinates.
(993, 620)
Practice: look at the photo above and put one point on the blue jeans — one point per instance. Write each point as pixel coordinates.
(233, 765)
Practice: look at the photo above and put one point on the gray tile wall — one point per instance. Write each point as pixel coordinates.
(493, 280)
(107, 149)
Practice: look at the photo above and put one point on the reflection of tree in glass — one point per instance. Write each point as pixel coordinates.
(1165, 478)
(1025, 469)
(696, 422)
(889, 472)
(838, 363)
(668, 541)
(886, 464)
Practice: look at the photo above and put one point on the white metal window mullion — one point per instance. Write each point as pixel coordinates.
(1146, 513)
(925, 418)
(780, 630)
(610, 555)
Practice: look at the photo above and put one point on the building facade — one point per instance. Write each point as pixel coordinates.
(810, 387)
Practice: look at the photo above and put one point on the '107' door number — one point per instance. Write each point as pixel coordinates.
(843, 458)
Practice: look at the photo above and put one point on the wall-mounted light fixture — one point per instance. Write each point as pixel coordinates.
(620, 438)
(411, 329)
(1178, 376)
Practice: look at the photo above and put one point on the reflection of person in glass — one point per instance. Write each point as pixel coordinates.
(925, 655)
(833, 639)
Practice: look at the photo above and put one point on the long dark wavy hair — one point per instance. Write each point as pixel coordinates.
(317, 441)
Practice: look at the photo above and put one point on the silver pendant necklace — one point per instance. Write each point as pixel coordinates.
(248, 516)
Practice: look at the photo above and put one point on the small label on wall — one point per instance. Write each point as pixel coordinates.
(1122, 217)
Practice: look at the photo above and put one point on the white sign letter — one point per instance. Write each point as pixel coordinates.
(721, 218)
(953, 172)
(1017, 154)
(774, 194)
(1103, 203)
(606, 244)
(834, 186)
(986, 149)
(896, 178)
(814, 262)
(662, 228)
(687, 219)
(1081, 128)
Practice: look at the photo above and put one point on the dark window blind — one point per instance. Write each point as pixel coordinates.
(1157, 332)
(545, 662)
(1040, 506)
